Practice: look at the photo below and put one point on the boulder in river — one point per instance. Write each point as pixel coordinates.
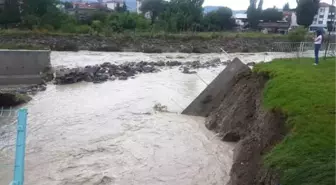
(186, 70)
(104, 72)
(173, 63)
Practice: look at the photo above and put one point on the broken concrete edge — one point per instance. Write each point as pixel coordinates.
(211, 97)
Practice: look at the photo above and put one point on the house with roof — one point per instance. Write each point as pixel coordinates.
(112, 4)
(241, 19)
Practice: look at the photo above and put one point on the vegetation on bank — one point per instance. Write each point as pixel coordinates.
(159, 15)
(23, 46)
(306, 94)
(159, 35)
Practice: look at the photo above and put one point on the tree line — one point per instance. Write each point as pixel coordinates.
(168, 16)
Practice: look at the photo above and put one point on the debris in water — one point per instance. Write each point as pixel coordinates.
(160, 108)
(186, 70)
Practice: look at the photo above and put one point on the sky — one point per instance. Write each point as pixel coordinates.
(243, 4)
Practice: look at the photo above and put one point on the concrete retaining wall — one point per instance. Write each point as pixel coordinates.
(23, 66)
(214, 93)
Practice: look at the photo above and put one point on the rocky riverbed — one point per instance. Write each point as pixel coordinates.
(107, 71)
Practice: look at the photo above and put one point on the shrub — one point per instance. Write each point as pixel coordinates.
(68, 28)
(97, 25)
(297, 35)
(48, 27)
(83, 29)
(29, 21)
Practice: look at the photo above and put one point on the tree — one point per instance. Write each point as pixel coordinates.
(100, 16)
(68, 5)
(121, 9)
(184, 15)
(37, 7)
(253, 13)
(286, 7)
(155, 7)
(10, 13)
(305, 11)
(218, 20)
(271, 15)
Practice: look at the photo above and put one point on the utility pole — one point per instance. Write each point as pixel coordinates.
(330, 25)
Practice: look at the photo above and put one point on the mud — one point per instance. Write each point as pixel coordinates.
(241, 118)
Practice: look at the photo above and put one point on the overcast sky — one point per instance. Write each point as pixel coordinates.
(243, 4)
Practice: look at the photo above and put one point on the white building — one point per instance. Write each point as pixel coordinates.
(293, 21)
(241, 19)
(325, 14)
(138, 5)
(112, 4)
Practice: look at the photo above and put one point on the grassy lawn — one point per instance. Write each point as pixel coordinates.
(306, 93)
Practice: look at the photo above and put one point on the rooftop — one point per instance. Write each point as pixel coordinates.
(240, 16)
(323, 4)
(273, 25)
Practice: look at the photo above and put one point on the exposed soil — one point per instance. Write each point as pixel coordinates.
(147, 45)
(12, 99)
(241, 118)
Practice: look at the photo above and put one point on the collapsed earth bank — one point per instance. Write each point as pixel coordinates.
(240, 117)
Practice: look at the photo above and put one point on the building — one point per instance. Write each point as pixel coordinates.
(274, 27)
(241, 19)
(83, 11)
(325, 14)
(112, 4)
(138, 5)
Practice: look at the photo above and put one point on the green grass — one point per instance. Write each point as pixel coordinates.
(23, 46)
(306, 94)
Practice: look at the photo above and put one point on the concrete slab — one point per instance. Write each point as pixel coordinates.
(214, 93)
(23, 66)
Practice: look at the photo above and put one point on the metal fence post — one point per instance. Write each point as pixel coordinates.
(20, 148)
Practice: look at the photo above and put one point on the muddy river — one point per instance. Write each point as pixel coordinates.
(109, 133)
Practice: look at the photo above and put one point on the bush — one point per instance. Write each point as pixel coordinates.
(68, 28)
(83, 29)
(97, 25)
(297, 35)
(30, 21)
(48, 27)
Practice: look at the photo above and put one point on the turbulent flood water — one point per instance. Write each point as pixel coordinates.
(102, 134)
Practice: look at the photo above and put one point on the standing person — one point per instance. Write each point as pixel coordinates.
(317, 44)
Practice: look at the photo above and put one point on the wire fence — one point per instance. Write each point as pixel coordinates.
(302, 49)
(12, 145)
(279, 50)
